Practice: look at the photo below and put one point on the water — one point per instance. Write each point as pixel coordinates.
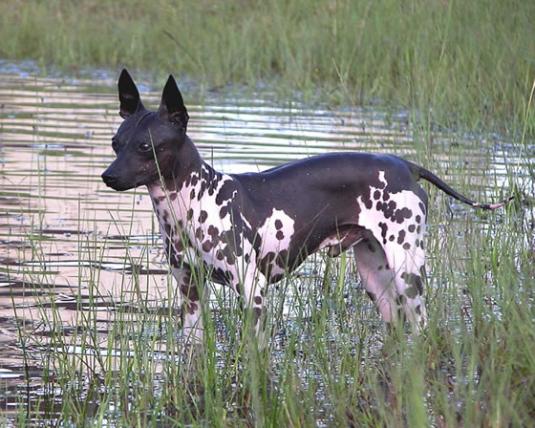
(69, 244)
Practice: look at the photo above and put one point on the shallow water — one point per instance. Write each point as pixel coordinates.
(69, 244)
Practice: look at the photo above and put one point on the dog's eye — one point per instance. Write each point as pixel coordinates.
(145, 147)
(115, 144)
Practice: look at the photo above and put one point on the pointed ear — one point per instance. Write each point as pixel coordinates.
(172, 105)
(128, 95)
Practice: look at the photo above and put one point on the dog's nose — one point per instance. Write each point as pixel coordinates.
(110, 180)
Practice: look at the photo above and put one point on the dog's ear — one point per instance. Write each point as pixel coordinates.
(172, 106)
(128, 95)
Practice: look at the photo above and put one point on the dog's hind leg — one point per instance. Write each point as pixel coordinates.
(407, 261)
(397, 221)
(377, 277)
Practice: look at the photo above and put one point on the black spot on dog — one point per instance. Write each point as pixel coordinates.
(389, 208)
(379, 206)
(189, 291)
(406, 246)
(418, 229)
(224, 277)
(279, 235)
(402, 214)
(226, 192)
(189, 214)
(202, 189)
(199, 234)
(258, 300)
(418, 219)
(401, 236)
(172, 196)
(384, 229)
(192, 194)
(207, 246)
(203, 216)
(413, 280)
(230, 257)
(213, 232)
(192, 307)
(391, 238)
(233, 241)
(412, 227)
(278, 224)
(223, 212)
(386, 196)
(376, 194)
(411, 292)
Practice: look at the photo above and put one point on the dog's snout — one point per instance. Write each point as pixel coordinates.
(108, 178)
(116, 182)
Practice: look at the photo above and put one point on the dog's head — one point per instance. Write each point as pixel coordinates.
(148, 143)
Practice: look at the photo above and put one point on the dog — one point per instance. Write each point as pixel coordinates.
(249, 230)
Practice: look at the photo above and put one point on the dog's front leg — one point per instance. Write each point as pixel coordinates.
(253, 286)
(189, 286)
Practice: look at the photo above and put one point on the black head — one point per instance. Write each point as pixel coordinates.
(147, 143)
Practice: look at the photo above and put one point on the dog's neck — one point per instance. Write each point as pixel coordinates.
(174, 196)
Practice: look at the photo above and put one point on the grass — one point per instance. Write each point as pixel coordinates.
(330, 362)
(455, 62)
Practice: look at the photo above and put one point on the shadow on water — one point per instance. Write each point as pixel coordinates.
(69, 244)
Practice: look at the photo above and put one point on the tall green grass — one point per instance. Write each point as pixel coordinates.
(456, 62)
(331, 363)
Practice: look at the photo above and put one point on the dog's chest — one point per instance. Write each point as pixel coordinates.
(205, 214)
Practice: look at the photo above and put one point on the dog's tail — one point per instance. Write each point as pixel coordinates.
(421, 172)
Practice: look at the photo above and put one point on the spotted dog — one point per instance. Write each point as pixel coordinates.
(249, 230)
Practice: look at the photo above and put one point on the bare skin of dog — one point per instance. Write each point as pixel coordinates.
(249, 230)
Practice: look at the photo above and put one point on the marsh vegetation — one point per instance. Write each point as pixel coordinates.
(459, 62)
(89, 320)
